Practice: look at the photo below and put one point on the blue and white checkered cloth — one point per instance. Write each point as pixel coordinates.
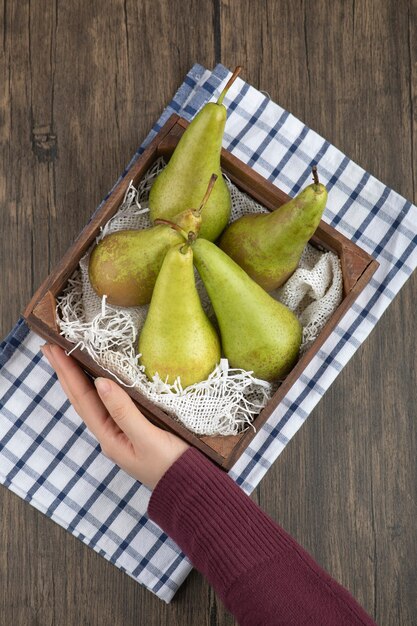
(50, 459)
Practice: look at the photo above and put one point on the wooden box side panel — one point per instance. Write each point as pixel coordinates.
(56, 281)
(43, 321)
(354, 260)
(235, 451)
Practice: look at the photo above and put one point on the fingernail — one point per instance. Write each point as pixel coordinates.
(103, 386)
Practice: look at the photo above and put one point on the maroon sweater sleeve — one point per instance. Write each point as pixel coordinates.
(262, 575)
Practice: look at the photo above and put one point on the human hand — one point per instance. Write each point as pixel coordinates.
(141, 449)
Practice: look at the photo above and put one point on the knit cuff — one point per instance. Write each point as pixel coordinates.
(240, 550)
(220, 529)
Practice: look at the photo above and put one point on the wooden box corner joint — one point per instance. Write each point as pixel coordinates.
(45, 311)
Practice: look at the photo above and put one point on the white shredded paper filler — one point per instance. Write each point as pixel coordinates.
(230, 399)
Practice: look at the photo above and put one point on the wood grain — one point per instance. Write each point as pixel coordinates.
(81, 86)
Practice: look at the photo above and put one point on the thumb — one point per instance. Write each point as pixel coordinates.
(122, 409)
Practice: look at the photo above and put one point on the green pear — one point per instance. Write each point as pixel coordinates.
(258, 333)
(178, 339)
(125, 264)
(268, 246)
(182, 183)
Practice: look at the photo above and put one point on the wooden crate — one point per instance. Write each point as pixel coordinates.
(357, 269)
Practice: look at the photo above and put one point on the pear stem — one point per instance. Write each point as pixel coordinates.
(229, 84)
(172, 225)
(209, 189)
(315, 175)
(184, 248)
(191, 238)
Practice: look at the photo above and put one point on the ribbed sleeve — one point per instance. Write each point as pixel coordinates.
(262, 575)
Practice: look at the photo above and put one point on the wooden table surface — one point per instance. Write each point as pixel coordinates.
(81, 85)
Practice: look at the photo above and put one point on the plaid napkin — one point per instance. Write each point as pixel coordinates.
(50, 459)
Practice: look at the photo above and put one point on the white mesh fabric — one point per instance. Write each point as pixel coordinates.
(229, 399)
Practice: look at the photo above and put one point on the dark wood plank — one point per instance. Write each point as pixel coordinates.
(346, 486)
(81, 86)
(98, 80)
